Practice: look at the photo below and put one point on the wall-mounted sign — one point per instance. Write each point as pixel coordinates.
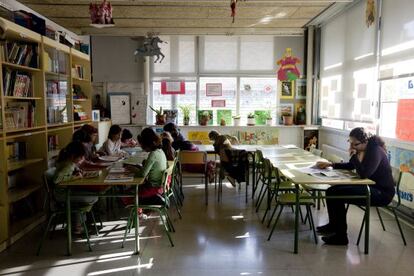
(218, 103)
(405, 120)
(214, 89)
(172, 87)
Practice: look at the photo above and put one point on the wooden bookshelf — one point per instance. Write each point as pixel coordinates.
(21, 180)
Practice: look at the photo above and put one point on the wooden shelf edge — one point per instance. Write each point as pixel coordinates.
(81, 100)
(78, 54)
(22, 163)
(22, 227)
(12, 27)
(21, 67)
(24, 129)
(22, 98)
(20, 193)
(80, 79)
(82, 122)
(55, 44)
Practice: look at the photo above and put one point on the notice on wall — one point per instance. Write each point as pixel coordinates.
(201, 136)
(172, 87)
(120, 108)
(218, 103)
(214, 89)
(405, 120)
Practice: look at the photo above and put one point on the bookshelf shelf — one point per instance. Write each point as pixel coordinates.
(21, 67)
(16, 194)
(19, 164)
(46, 71)
(22, 98)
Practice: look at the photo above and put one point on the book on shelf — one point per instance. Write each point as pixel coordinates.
(78, 113)
(17, 83)
(52, 142)
(19, 115)
(78, 71)
(21, 53)
(16, 150)
(62, 62)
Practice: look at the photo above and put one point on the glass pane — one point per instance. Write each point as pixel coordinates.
(186, 54)
(159, 100)
(257, 94)
(220, 53)
(165, 65)
(256, 53)
(227, 100)
(188, 99)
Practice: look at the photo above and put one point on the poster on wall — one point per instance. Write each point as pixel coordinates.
(405, 120)
(224, 117)
(218, 103)
(172, 87)
(214, 89)
(171, 115)
(300, 89)
(310, 139)
(265, 136)
(120, 107)
(201, 136)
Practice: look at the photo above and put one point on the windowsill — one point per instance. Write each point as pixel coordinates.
(241, 126)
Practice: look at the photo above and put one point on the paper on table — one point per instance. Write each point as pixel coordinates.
(289, 146)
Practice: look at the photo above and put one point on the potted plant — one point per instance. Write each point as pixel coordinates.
(186, 109)
(236, 120)
(205, 116)
(222, 122)
(251, 119)
(159, 116)
(287, 118)
(269, 119)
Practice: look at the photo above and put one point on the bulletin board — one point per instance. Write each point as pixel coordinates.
(120, 107)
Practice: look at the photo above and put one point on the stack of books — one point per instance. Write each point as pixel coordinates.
(19, 115)
(17, 84)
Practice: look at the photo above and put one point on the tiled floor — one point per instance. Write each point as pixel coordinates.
(221, 239)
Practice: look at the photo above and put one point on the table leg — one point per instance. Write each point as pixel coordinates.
(253, 175)
(68, 222)
(295, 250)
(367, 215)
(136, 222)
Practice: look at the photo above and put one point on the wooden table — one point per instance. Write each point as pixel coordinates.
(97, 181)
(290, 161)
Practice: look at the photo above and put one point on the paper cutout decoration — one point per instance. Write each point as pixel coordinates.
(288, 69)
(405, 120)
(101, 14)
(151, 48)
(370, 13)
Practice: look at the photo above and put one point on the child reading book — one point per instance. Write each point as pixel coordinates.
(127, 141)
(112, 146)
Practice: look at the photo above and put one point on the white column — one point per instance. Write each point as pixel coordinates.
(147, 88)
(309, 76)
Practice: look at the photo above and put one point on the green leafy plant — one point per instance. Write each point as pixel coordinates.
(251, 115)
(159, 112)
(268, 115)
(186, 109)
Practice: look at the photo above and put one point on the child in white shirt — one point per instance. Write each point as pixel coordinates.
(112, 146)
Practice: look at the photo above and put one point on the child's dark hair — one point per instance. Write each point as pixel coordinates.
(81, 136)
(73, 150)
(114, 130)
(149, 139)
(167, 149)
(126, 134)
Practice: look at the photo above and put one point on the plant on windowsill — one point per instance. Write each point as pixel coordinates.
(186, 110)
(204, 118)
(269, 119)
(159, 116)
(251, 121)
(236, 120)
(287, 118)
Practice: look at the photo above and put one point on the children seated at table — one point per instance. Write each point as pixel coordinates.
(87, 135)
(67, 169)
(127, 140)
(179, 142)
(112, 146)
(166, 141)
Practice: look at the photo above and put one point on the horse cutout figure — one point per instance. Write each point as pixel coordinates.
(151, 48)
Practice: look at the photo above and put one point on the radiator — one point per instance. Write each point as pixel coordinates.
(334, 154)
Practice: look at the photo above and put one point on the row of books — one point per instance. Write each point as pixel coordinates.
(55, 61)
(25, 54)
(19, 115)
(16, 83)
(56, 114)
(16, 150)
(78, 113)
(55, 87)
(78, 71)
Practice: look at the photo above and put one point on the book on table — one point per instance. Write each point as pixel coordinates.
(119, 177)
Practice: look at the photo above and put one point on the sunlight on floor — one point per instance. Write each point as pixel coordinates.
(115, 270)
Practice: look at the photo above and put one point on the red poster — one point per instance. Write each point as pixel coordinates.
(218, 103)
(405, 120)
(172, 87)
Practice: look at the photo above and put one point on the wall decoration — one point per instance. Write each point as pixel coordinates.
(405, 120)
(310, 139)
(286, 89)
(151, 48)
(96, 115)
(265, 136)
(205, 117)
(120, 107)
(101, 14)
(224, 114)
(171, 116)
(218, 103)
(247, 87)
(370, 13)
(404, 160)
(288, 69)
(214, 89)
(300, 114)
(201, 136)
(172, 87)
(267, 88)
(300, 89)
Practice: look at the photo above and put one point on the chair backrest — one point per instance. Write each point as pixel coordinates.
(192, 157)
(233, 140)
(270, 172)
(167, 179)
(316, 152)
(397, 188)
